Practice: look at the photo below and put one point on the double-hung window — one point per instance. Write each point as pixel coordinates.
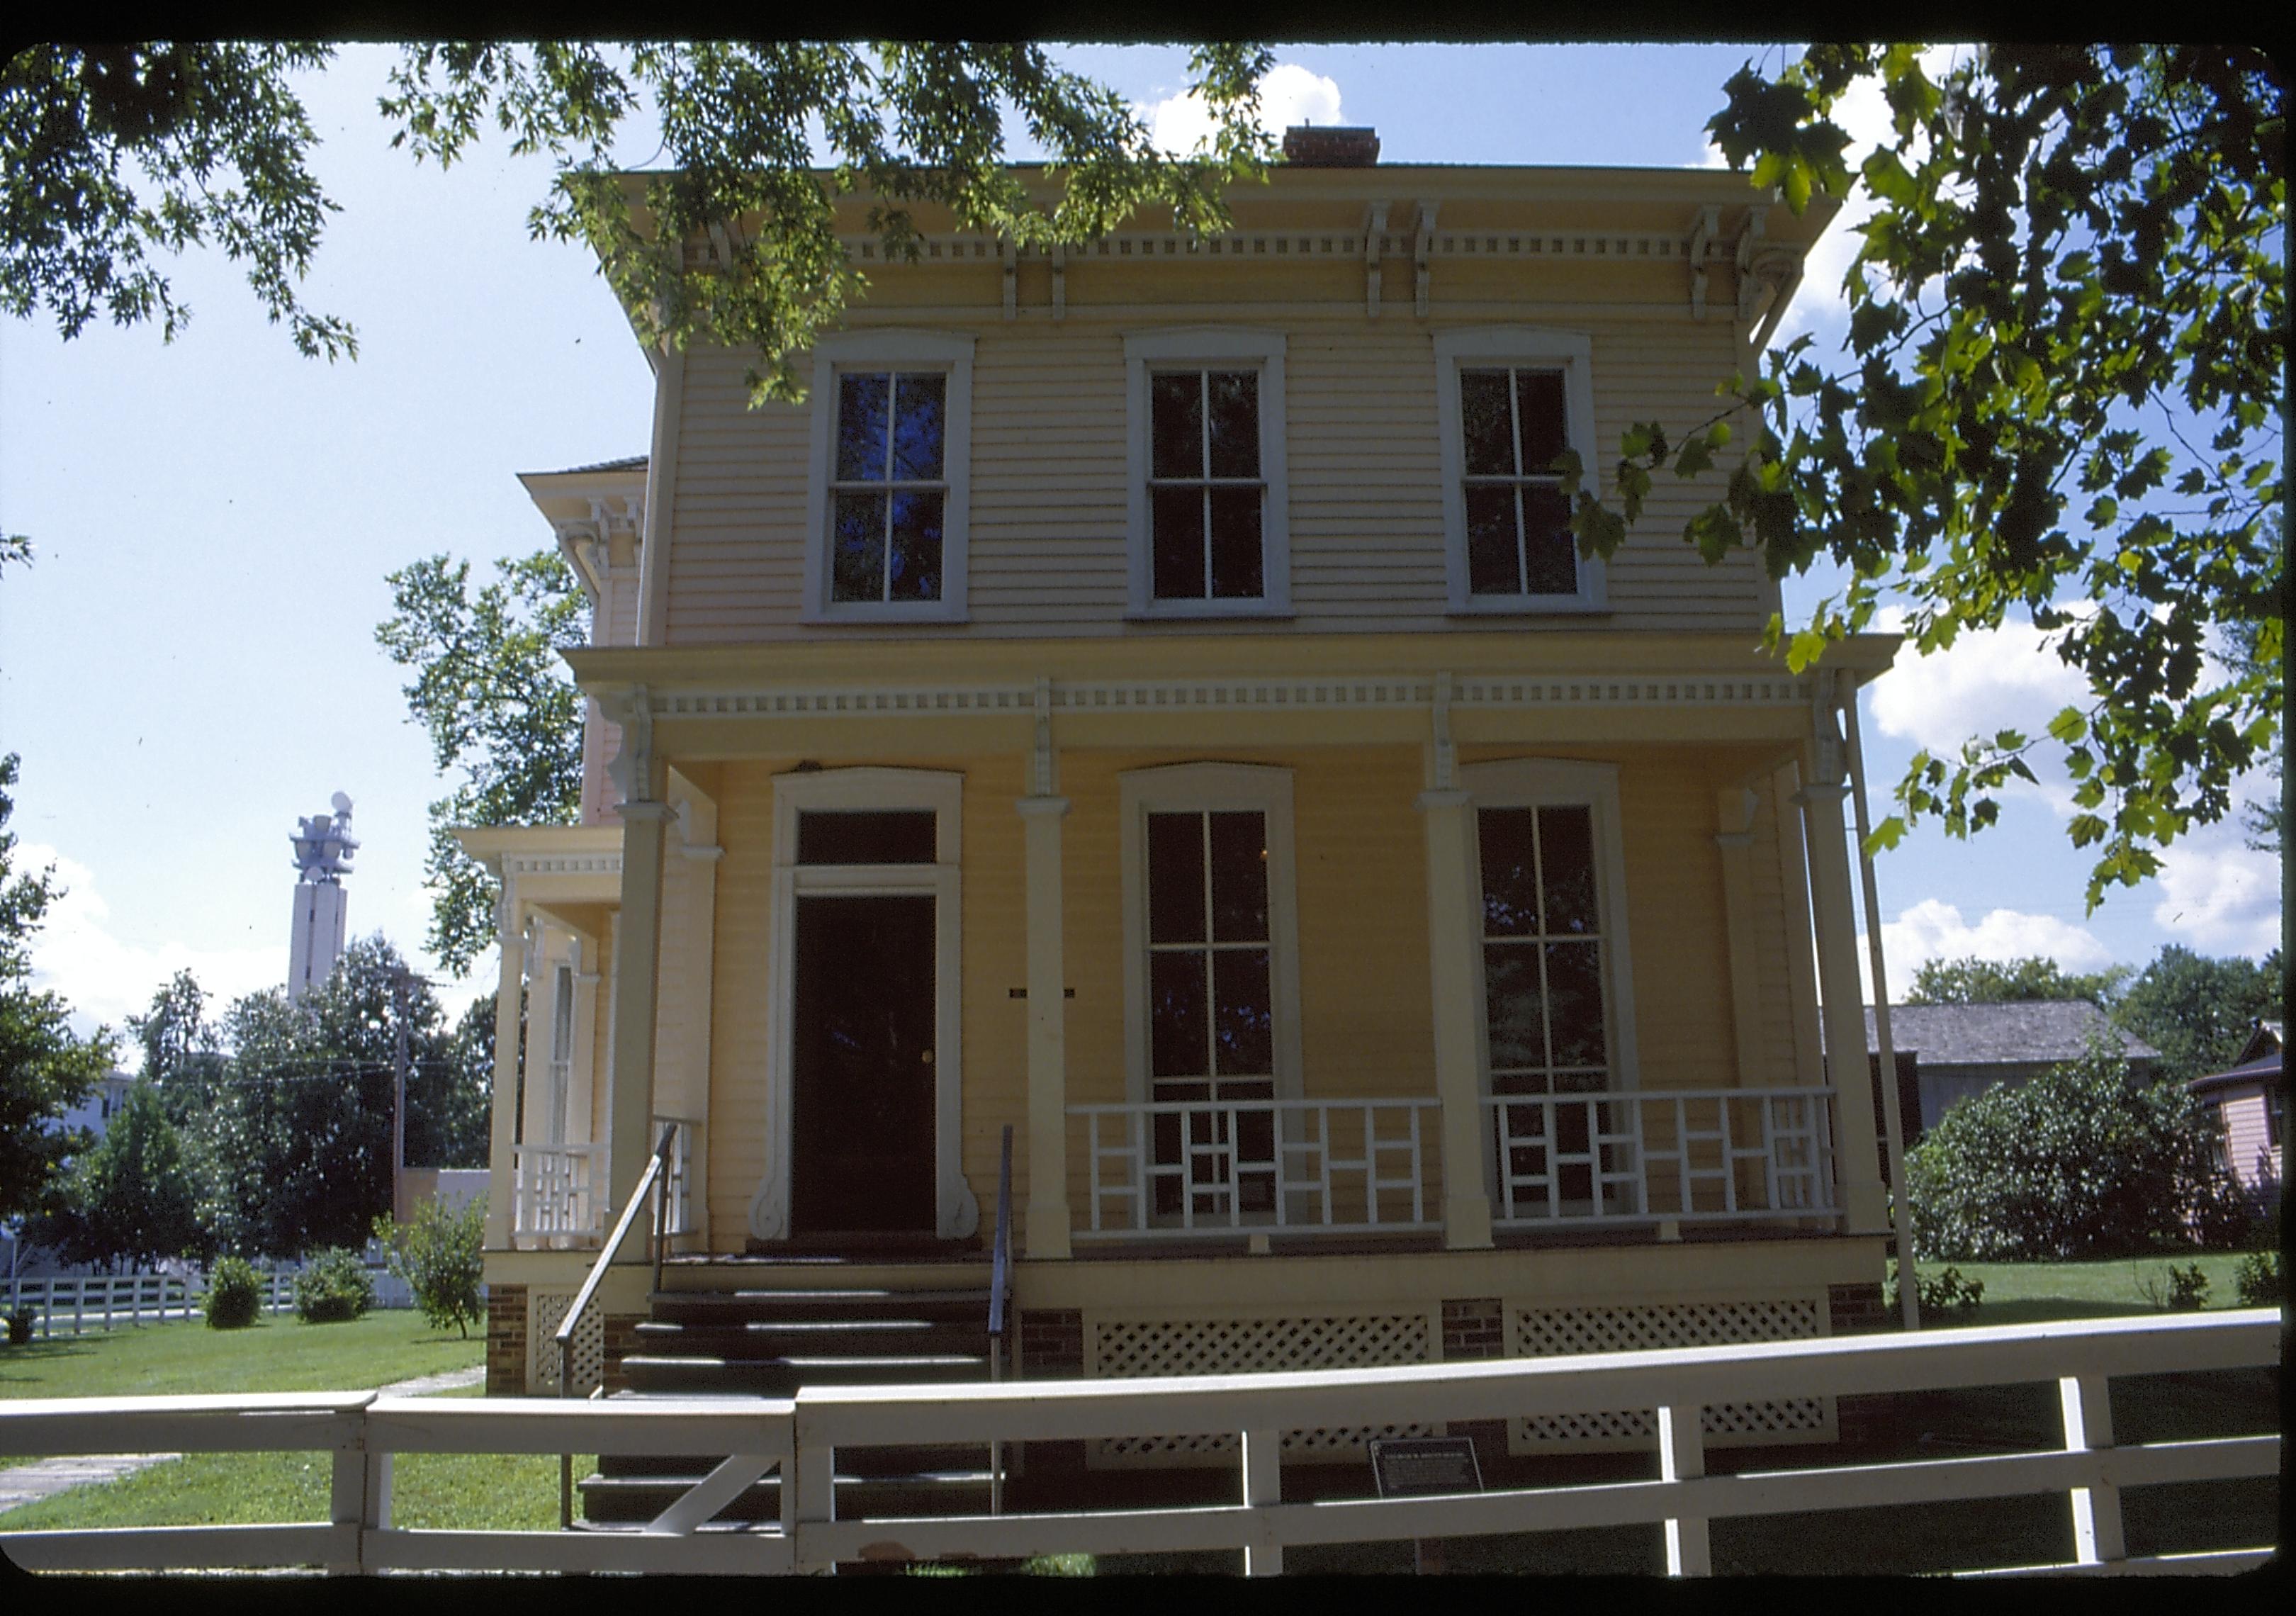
(892, 475)
(1208, 533)
(1510, 402)
(1212, 988)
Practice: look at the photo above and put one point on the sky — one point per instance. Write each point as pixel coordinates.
(190, 663)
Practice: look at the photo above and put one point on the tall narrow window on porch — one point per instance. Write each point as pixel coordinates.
(562, 1052)
(1211, 1007)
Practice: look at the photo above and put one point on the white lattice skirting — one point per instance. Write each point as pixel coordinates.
(1545, 1331)
(1120, 1347)
(544, 1314)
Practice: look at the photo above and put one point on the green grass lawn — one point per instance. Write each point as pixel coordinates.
(2035, 1292)
(274, 1354)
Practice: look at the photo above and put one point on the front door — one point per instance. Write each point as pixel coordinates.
(861, 1155)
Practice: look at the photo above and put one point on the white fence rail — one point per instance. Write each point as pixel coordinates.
(1216, 1167)
(73, 1304)
(802, 1437)
(553, 1191)
(1661, 1155)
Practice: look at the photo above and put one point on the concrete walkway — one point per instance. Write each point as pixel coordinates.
(45, 1478)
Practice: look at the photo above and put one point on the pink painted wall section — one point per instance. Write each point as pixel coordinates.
(2255, 1160)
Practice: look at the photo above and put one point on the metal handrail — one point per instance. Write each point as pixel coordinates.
(1000, 1291)
(649, 1184)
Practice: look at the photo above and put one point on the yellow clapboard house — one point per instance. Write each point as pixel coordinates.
(1145, 700)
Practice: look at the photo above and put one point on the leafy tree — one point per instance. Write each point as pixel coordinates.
(2198, 1011)
(1984, 982)
(114, 154)
(450, 1095)
(441, 1256)
(131, 1197)
(2062, 399)
(500, 707)
(45, 1068)
(182, 1054)
(2079, 1162)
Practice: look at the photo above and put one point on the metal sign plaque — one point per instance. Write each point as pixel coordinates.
(1411, 1467)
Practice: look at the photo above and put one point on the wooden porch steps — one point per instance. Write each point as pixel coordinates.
(768, 1340)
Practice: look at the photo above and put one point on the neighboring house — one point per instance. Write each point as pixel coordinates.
(93, 1113)
(2251, 1100)
(1959, 1050)
(1144, 699)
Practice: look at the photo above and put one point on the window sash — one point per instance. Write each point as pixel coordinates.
(1518, 480)
(1565, 922)
(900, 498)
(1163, 578)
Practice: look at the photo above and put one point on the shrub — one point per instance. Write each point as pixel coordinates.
(2079, 1162)
(1940, 1293)
(234, 1294)
(2261, 1280)
(441, 1257)
(19, 1324)
(333, 1287)
(2176, 1289)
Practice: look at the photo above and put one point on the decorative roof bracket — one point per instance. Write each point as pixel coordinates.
(1006, 251)
(1749, 236)
(1374, 230)
(1060, 280)
(1703, 232)
(1424, 257)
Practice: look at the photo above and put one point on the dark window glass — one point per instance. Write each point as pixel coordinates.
(1574, 1003)
(1235, 542)
(1239, 877)
(1176, 878)
(916, 546)
(1538, 417)
(1483, 418)
(1510, 883)
(1179, 541)
(1244, 1018)
(1234, 409)
(1178, 1015)
(861, 418)
(865, 836)
(1550, 554)
(1518, 1020)
(919, 426)
(858, 548)
(1492, 563)
(1176, 425)
(1566, 853)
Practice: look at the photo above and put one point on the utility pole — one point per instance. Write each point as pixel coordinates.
(398, 1096)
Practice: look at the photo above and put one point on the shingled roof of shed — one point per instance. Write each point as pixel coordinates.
(2016, 1034)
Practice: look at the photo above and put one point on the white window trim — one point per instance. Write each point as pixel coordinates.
(1554, 783)
(1184, 788)
(1221, 345)
(857, 350)
(957, 1212)
(1573, 353)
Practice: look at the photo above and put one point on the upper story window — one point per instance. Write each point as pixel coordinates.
(1208, 534)
(891, 485)
(1510, 401)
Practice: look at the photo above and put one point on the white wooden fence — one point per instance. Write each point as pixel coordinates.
(74, 1304)
(800, 1437)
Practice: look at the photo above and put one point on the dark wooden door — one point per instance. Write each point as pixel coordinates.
(863, 1112)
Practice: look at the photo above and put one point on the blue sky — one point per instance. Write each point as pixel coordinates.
(190, 663)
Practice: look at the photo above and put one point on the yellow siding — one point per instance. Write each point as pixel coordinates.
(1047, 546)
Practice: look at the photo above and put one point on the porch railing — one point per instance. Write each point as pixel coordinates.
(1215, 1167)
(1663, 1156)
(554, 1193)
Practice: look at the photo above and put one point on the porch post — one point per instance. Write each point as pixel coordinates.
(1734, 812)
(1452, 927)
(637, 944)
(1841, 1007)
(1044, 1230)
(502, 1133)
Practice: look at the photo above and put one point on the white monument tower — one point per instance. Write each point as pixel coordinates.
(323, 857)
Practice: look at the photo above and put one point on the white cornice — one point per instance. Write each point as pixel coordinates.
(561, 863)
(1357, 245)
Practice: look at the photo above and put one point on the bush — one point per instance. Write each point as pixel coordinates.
(441, 1257)
(333, 1287)
(19, 1324)
(234, 1294)
(2176, 1289)
(2075, 1163)
(1940, 1293)
(2260, 1281)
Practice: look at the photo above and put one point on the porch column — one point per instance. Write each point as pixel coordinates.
(638, 959)
(1452, 927)
(1841, 1006)
(1735, 809)
(1044, 1229)
(502, 1153)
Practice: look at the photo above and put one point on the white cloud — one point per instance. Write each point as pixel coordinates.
(1288, 95)
(2009, 677)
(1935, 929)
(106, 980)
(2219, 894)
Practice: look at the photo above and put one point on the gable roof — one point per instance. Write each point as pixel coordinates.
(2264, 1039)
(2000, 1035)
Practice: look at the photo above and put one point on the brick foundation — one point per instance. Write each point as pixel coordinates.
(1473, 1329)
(1856, 1309)
(505, 1341)
(1051, 1343)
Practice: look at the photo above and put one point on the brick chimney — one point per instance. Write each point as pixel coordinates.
(1308, 147)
